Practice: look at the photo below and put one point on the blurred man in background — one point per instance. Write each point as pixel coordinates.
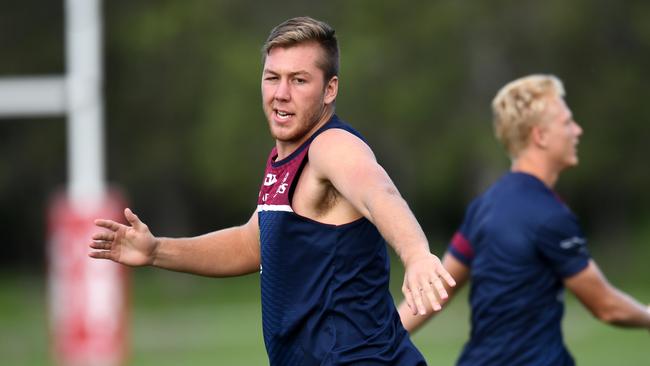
(317, 237)
(521, 245)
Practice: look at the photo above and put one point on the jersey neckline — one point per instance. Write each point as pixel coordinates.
(302, 147)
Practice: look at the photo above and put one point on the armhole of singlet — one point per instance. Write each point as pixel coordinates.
(304, 161)
(297, 178)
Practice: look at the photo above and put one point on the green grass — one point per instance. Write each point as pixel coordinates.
(590, 341)
(178, 319)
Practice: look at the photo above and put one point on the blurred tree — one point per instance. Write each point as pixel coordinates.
(32, 151)
(187, 139)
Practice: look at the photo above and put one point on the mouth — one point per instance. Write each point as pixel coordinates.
(282, 115)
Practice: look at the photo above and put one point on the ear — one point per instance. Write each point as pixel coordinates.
(538, 136)
(331, 90)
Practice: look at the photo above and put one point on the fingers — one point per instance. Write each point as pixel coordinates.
(433, 300)
(446, 276)
(415, 297)
(419, 304)
(427, 291)
(104, 236)
(100, 245)
(408, 296)
(100, 255)
(440, 289)
(108, 224)
(133, 219)
(115, 226)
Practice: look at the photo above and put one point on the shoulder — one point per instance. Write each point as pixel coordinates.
(337, 143)
(561, 219)
(529, 195)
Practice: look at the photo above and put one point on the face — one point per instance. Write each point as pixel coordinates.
(295, 96)
(559, 134)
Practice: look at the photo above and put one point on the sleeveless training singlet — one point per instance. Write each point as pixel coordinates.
(325, 296)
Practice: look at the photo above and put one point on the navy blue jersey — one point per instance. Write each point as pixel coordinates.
(519, 241)
(325, 296)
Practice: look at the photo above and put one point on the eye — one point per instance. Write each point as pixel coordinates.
(271, 78)
(299, 80)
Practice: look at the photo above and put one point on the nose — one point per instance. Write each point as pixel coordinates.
(282, 92)
(577, 128)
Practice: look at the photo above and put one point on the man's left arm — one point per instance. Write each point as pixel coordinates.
(351, 167)
(563, 245)
(606, 302)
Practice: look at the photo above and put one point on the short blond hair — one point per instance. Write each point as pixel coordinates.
(519, 106)
(305, 29)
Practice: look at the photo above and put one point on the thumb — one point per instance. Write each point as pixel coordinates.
(132, 218)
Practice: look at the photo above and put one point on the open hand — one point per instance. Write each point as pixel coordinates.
(423, 280)
(131, 245)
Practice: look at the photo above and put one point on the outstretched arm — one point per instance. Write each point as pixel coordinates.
(605, 301)
(229, 252)
(353, 170)
(460, 273)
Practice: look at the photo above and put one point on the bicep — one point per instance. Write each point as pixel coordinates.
(351, 168)
(250, 233)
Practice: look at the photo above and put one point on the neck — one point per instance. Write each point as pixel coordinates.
(537, 167)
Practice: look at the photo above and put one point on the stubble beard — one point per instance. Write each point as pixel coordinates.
(302, 128)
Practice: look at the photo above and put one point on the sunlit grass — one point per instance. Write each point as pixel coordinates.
(178, 319)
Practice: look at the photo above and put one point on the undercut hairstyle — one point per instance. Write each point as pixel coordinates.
(519, 106)
(303, 30)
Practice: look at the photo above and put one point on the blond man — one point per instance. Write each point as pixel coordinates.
(519, 245)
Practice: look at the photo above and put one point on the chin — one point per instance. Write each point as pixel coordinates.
(284, 135)
(572, 163)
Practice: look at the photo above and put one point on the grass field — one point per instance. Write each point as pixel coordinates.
(179, 319)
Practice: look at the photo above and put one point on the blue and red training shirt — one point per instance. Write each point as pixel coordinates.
(519, 242)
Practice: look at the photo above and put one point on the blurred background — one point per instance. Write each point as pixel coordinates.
(186, 140)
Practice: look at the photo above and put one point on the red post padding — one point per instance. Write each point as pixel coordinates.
(87, 297)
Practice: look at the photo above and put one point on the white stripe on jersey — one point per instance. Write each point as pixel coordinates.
(285, 208)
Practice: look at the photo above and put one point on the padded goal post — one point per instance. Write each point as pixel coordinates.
(87, 298)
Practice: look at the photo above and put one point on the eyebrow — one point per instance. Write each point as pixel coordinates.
(295, 73)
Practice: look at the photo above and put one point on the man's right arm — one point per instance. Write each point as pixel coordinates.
(223, 253)
(606, 302)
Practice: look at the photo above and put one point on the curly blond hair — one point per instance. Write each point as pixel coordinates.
(519, 106)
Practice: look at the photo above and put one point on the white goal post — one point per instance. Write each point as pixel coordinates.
(77, 95)
(86, 297)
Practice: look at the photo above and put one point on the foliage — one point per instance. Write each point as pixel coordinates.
(187, 139)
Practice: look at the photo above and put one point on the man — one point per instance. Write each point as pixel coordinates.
(521, 245)
(316, 236)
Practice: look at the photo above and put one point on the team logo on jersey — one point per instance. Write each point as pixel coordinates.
(283, 186)
(572, 242)
(270, 179)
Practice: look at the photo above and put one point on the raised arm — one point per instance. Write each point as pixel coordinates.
(606, 302)
(457, 270)
(352, 169)
(228, 252)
